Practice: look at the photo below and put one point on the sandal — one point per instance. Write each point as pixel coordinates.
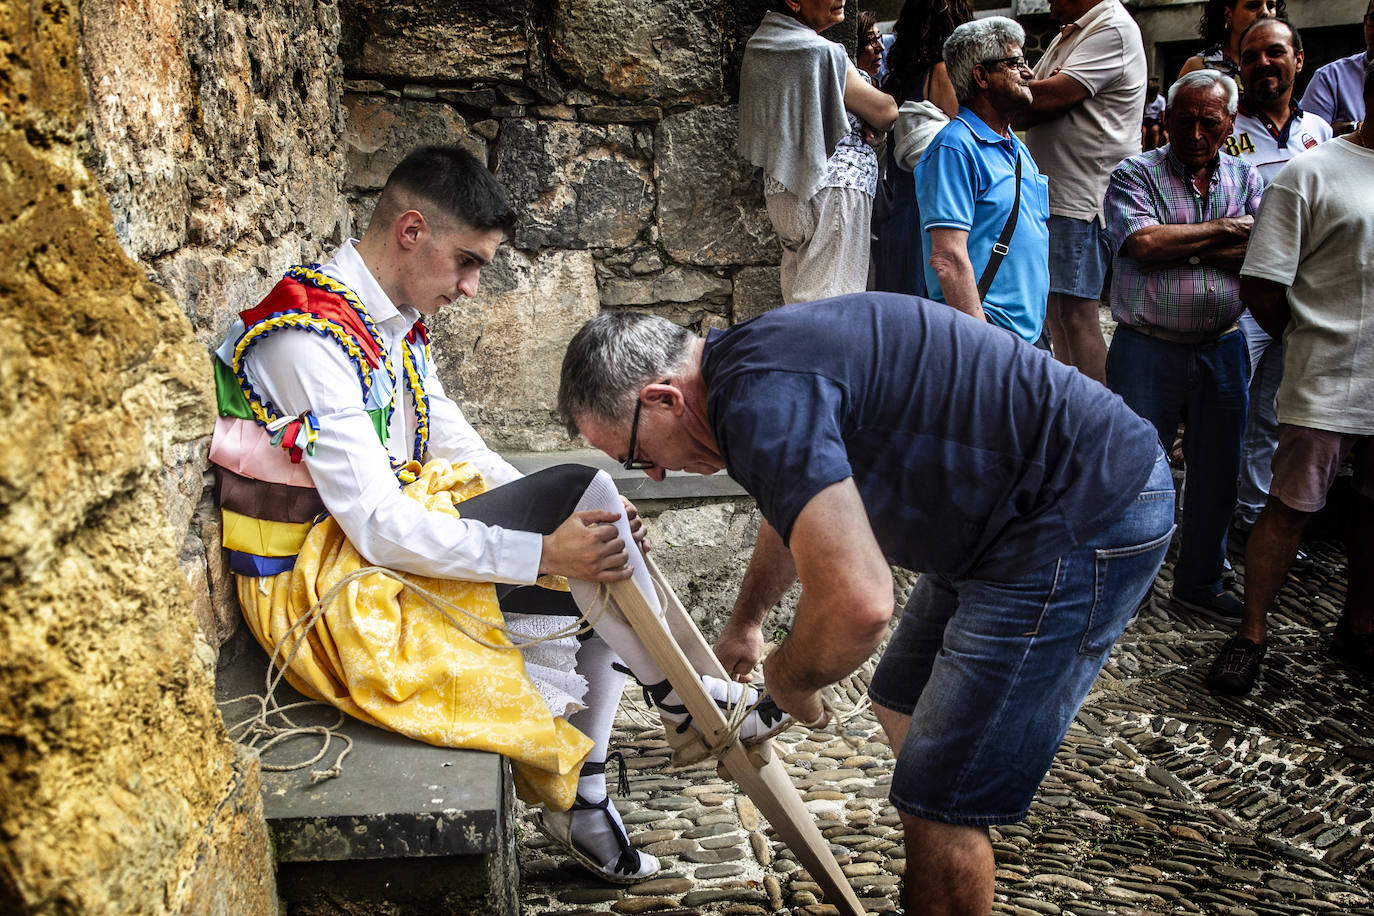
(631, 865)
(1354, 649)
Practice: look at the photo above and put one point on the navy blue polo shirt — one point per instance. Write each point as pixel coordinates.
(976, 455)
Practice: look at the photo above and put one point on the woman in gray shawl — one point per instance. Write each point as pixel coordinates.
(804, 112)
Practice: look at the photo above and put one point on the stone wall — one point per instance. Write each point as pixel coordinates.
(217, 134)
(164, 161)
(613, 125)
(119, 791)
(229, 152)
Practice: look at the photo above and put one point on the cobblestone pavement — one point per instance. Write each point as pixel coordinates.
(1163, 798)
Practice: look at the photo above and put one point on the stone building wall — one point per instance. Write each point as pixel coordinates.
(216, 131)
(613, 125)
(119, 791)
(164, 161)
(236, 138)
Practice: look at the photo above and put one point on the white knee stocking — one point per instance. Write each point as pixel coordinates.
(605, 684)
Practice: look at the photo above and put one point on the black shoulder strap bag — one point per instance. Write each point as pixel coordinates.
(999, 251)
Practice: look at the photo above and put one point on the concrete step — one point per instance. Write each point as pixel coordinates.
(633, 484)
(355, 842)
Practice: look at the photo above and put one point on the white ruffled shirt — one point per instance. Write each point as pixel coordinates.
(352, 469)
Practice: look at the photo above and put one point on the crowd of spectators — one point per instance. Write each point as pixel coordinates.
(1024, 194)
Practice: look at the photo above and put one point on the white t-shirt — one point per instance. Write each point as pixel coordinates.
(1268, 147)
(1314, 233)
(1078, 150)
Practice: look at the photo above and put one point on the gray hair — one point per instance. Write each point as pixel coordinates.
(1206, 79)
(974, 42)
(611, 358)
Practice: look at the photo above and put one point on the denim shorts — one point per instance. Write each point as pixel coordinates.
(1079, 257)
(992, 673)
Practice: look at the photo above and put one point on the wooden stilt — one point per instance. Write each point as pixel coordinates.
(677, 646)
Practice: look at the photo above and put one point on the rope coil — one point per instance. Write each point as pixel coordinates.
(259, 733)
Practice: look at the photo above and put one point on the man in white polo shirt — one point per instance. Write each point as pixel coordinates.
(1089, 91)
(1271, 128)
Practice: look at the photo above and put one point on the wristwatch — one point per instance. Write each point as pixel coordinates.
(1195, 260)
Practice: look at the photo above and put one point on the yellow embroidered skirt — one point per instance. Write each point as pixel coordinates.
(386, 656)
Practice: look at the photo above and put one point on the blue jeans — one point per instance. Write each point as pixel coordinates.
(1206, 386)
(992, 673)
(1079, 257)
(1261, 426)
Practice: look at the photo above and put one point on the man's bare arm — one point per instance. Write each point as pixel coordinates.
(949, 259)
(1050, 98)
(1227, 257)
(1268, 302)
(845, 604)
(1170, 244)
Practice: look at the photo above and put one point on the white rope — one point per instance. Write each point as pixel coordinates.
(258, 732)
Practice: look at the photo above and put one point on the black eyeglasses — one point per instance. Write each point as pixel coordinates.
(1016, 63)
(631, 463)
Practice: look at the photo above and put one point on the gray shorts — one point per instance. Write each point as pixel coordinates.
(825, 242)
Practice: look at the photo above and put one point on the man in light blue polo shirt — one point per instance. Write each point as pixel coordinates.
(966, 182)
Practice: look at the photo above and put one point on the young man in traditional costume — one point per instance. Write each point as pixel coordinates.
(329, 404)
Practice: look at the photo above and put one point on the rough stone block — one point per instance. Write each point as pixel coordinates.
(676, 284)
(482, 99)
(236, 872)
(621, 114)
(381, 132)
(710, 201)
(115, 759)
(757, 289)
(575, 185)
(640, 49)
(439, 40)
(501, 351)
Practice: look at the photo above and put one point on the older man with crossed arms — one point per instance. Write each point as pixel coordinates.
(1178, 218)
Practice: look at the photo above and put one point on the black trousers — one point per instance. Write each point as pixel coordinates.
(540, 503)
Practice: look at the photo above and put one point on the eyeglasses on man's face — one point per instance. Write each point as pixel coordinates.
(631, 463)
(1017, 63)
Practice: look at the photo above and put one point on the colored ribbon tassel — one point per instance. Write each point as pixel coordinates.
(296, 435)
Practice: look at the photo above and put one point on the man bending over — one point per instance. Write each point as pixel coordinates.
(1036, 505)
